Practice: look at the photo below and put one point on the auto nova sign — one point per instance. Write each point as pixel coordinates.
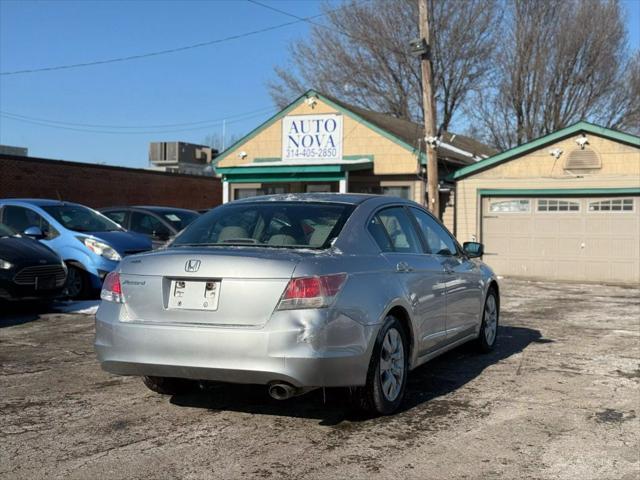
(312, 137)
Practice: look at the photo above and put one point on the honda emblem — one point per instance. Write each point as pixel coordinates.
(192, 266)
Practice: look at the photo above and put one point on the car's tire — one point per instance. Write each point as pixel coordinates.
(388, 369)
(169, 386)
(77, 286)
(488, 333)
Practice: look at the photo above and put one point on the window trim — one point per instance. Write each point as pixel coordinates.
(568, 200)
(610, 199)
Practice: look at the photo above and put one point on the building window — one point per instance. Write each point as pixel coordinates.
(612, 205)
(402, 192)
(552, 205)
(318, 188)
(510, 206)
(246, 192)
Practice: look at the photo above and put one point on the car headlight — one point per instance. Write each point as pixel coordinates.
(5, 265)
(100, 248)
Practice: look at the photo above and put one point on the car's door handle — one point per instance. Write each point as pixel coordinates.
(403, 267)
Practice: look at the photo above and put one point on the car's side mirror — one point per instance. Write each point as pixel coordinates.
(473, 249)
(34, 232)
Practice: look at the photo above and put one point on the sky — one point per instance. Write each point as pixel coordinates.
(226, 80)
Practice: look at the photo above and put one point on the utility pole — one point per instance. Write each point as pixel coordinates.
(429, 109)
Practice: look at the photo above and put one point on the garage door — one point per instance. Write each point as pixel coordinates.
(568, 238)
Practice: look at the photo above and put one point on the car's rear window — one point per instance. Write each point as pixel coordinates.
(268, 224)
(178, 218)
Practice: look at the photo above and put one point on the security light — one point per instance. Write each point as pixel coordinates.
(420, 47)
(556, 152)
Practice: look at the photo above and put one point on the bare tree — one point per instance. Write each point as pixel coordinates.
(561, 61)
(215, 140)
(361, 55)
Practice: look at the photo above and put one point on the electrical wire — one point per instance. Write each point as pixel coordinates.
(298, 19)
(161, 52)
(115, 132)
(326, 27)
(165, 125)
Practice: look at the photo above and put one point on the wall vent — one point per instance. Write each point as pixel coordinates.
(585, 159)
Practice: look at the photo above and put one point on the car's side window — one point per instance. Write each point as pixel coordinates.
(20, 218)
(49, 232)
(439, 242)
(118, 216)
(399, 229)
(379, 234)
(149, 225)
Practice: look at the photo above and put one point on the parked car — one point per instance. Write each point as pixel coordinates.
(298, 292)
(90, 244)
(160, 224)
(28, 269)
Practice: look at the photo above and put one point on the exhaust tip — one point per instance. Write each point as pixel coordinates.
(282, 391)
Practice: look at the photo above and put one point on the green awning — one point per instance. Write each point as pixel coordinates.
(290, 173)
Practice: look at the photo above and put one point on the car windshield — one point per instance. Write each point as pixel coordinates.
(6, 231)
(179, 219)
(81, 219)
(268, 224)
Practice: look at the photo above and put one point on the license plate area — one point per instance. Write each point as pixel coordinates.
(46, 282)
(194, 294)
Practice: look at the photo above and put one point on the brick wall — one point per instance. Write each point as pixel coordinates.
(102, 186)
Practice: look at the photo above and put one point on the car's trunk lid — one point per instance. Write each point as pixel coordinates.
(246, 283)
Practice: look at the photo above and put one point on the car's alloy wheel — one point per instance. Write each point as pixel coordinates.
(392, 364)
(490, 319)
(387, 375)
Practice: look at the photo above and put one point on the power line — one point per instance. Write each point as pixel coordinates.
(161, 52)
(327, 27)
(166, 125)
(115, 132)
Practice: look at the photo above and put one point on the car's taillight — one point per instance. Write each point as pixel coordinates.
(111, 288)
(311, 292)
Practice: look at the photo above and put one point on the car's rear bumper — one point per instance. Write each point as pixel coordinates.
(306, 348)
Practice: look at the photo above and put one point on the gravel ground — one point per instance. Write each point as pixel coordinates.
(558, 398)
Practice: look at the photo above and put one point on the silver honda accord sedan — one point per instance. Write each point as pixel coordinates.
(298, 292)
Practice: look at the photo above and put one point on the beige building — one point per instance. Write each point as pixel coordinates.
(320, 144)
(565, 206)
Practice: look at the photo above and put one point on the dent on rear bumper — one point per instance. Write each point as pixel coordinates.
(307, 348)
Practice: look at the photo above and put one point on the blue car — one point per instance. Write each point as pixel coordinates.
(90, 244)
